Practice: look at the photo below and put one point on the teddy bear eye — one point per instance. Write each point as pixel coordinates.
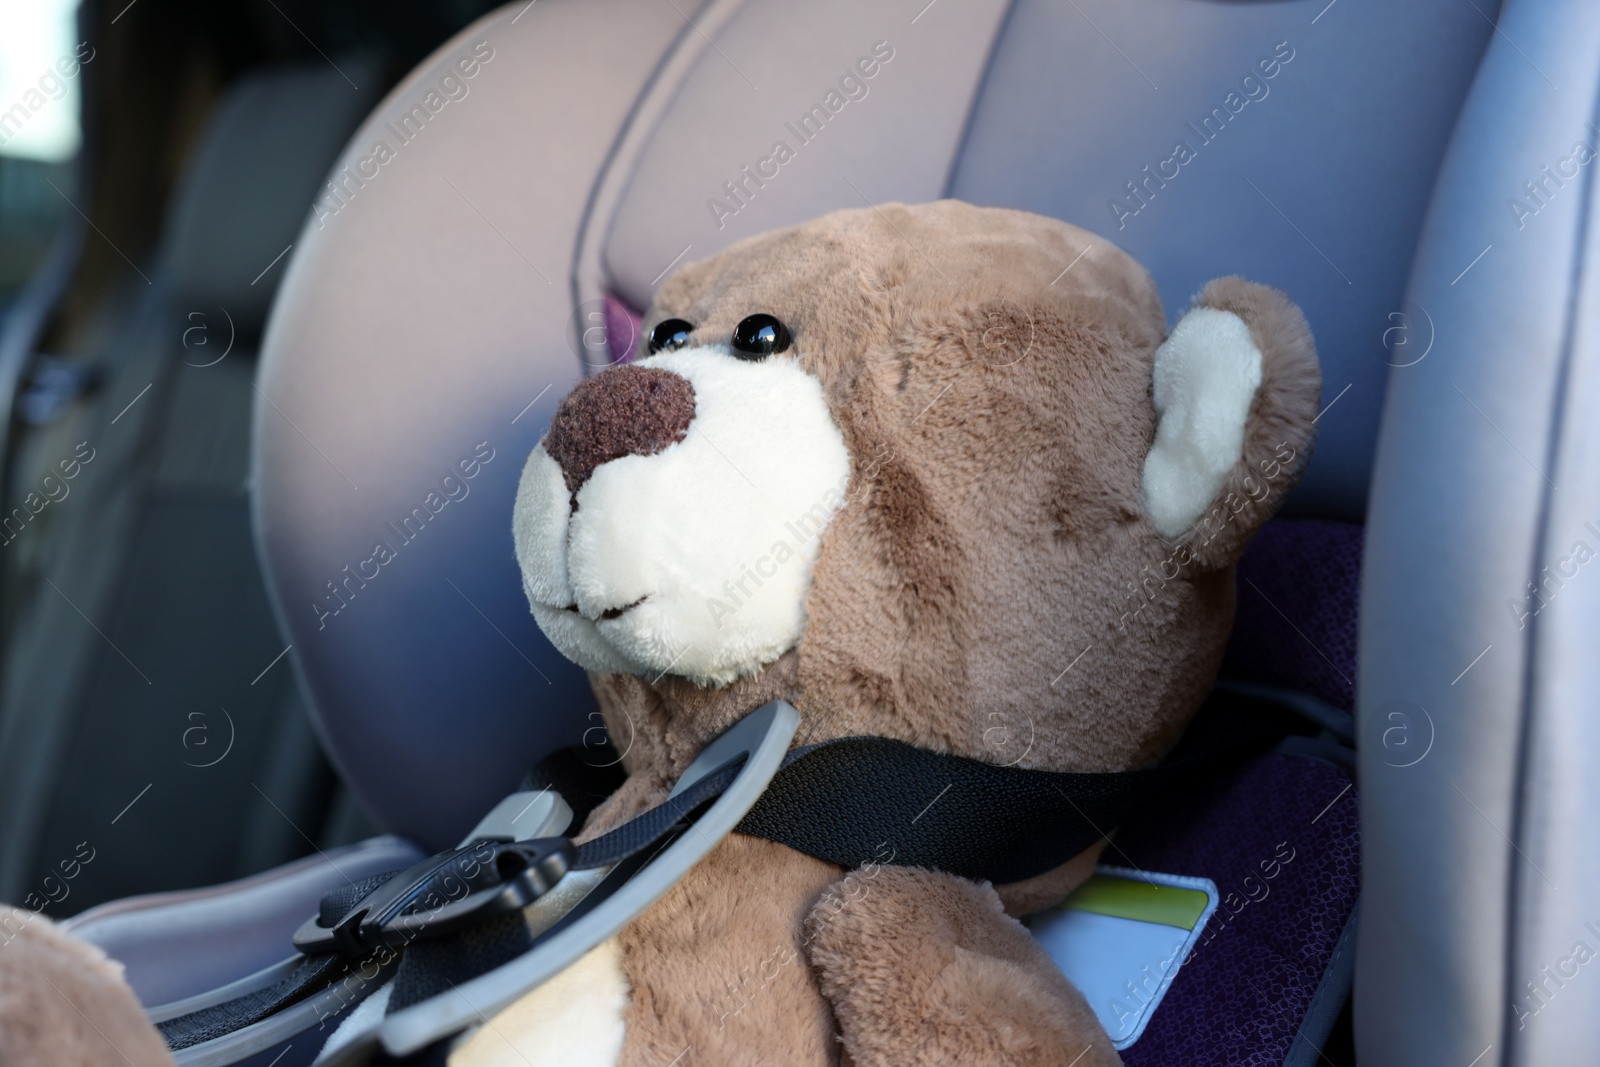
(670, 334)
(759, 336)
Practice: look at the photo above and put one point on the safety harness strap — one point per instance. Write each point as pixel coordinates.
(870, 799)
(639, 833)
(313, 973)
(848, 801)
(430, 967)
(859, 800)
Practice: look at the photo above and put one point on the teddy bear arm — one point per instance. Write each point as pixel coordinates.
(925, 967)
(63, 1003)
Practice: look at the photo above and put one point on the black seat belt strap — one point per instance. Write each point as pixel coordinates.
(848, 801)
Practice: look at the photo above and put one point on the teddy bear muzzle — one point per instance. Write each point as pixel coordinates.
(671, 517)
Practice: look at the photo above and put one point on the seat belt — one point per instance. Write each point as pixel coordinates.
(849, 801)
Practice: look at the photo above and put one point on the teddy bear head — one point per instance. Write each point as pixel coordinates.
(931, 472)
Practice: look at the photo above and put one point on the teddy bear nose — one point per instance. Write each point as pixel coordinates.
(624, 411)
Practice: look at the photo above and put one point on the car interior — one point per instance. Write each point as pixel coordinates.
(275, 275)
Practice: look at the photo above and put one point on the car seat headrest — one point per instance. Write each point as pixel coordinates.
(256, 171)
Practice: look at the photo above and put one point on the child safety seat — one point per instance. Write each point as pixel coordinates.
(1411, 175)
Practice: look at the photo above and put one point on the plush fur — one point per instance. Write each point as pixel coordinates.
(1206, 376)
(995, 528)
(688, 548)
(992, 584)
(64, 1004)
(574, 1020)
(921, 967)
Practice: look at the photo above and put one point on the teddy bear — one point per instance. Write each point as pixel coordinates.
(936, 473)
(932, 473)
(64, 1003)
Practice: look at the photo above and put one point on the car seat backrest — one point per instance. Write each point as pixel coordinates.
(436, 302)
(1480, 601)
(780, 119)
(423, 325)
(1300, 169)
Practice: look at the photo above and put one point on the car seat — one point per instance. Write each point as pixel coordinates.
(138, 668)
(450, 287)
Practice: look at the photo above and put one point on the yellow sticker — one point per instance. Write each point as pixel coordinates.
(1126, 898)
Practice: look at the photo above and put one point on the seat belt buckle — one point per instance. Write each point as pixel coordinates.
(441, 895)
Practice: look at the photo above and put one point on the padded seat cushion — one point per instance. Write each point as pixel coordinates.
(1273, 961)
(1299, 591)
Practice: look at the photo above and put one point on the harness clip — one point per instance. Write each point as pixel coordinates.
(440, 895)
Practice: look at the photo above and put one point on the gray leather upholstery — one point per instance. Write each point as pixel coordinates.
(894, 141)
(428, 316)
(1319, 187)
(1478, 723)
(1040, 111)
(175, 945)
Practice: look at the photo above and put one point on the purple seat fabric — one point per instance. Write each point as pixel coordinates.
(1299, 585)
(1243, 995)
(622, 330)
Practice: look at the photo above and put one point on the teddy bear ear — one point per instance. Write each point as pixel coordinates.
(1235, 388)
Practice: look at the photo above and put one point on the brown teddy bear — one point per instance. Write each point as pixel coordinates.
(933, 473)
(926, 473)
(64, 1004)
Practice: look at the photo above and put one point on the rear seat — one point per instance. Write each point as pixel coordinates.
(146, 712)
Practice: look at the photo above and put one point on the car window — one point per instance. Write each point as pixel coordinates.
(41, 63)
